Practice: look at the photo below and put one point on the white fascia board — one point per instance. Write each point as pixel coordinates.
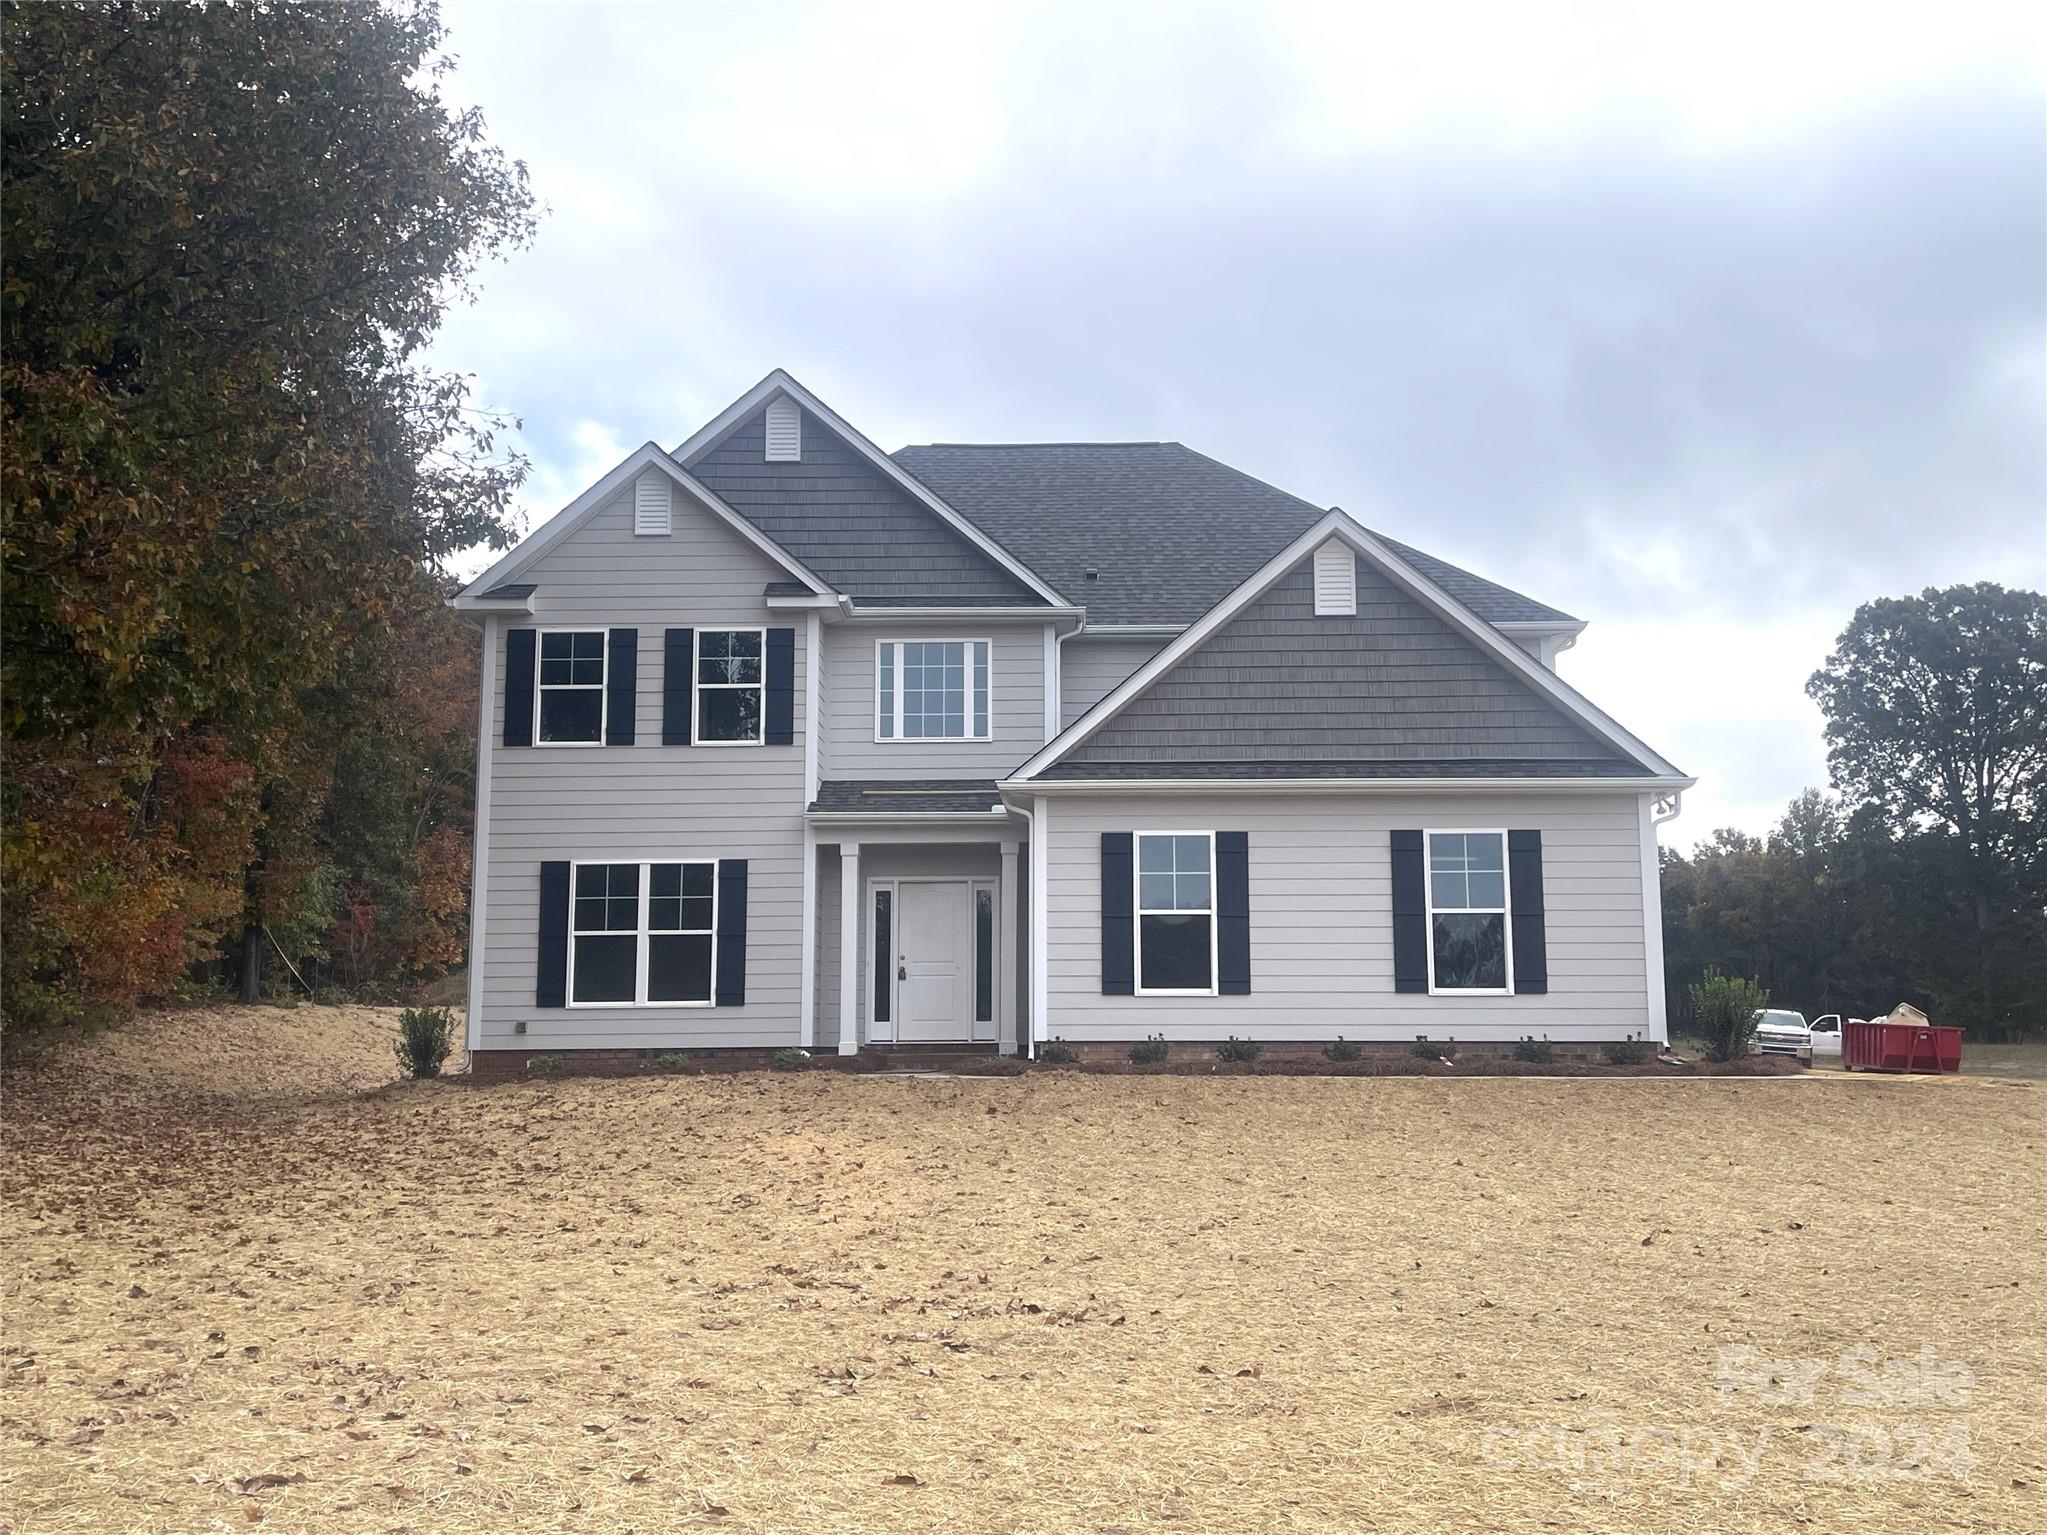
(1185, 786)
(857, 614)
(1340, 524)
(578, 511)
(779, 382)
(491, 604)
(1539, 626)
(1134, 631)
(993, 820)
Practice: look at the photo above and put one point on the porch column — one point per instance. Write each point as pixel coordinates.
(1006, 970)
(849, 948)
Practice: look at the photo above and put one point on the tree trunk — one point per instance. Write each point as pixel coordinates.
(252, 963)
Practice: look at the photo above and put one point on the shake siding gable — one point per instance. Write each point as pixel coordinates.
(838, 514)
(1394, 682)
(648, 800)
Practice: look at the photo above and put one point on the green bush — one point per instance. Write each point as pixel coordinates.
(1724, 1009)
(1057, 1052)
(1150, 1052)
(543, 1065)
(1235, 1049)
(1435, 1049)
(1625, 1052)
(672, 1060)
(425, 1037)
(792, 1059)
(1344, 1050)
(1530, 1049)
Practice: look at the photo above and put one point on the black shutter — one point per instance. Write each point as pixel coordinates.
(678, 656)
(1233, 913)
(1116, 915)
(621, 686)
(1524, 888)
(518, 687)
(1410, 913)
(781, 723)
(731, 933)
(551, 963)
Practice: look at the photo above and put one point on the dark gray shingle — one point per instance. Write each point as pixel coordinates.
(906, 797)
(1168, 532)
(1470, 768)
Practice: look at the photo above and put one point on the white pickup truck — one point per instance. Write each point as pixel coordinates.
(1780, 1031)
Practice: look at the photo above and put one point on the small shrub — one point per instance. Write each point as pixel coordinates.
(1344, 1050)
(1724, 1009)
(543, 1065)
(1150, 1052)
(1530, 1049)
(1435, 1049)
(1235, 1049)
(672, 1060)
(792, 1059)
(1057, 1052)
(1625, 1052)
(425, 1036)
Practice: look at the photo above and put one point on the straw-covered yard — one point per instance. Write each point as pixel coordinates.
(246, 1284)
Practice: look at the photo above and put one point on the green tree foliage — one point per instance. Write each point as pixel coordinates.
(1724, 1011)
(1925, 881)
(229, 481)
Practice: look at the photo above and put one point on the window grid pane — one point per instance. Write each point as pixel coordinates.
(1173, 874)
(1468, 911)
(606, 934)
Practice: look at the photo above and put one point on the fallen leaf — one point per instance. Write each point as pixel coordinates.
(247, 1486)
(902, 1479)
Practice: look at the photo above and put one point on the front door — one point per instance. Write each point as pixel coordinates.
(934, 962)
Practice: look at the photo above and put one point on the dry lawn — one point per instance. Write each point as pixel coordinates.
(245, 1286)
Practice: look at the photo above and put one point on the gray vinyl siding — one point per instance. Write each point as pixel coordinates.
(1091, 668)
(1322, 922)
(1016, 703)
(1395, 682)
(827, 948)
(847, 521)
(646, 801)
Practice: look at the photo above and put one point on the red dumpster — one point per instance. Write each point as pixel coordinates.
(1905, 1041)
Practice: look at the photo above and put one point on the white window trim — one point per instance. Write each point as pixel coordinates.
(640, 933)
(603, 687)
(697, 684)
(1505, 910)
(896, 695)
(1138, 912)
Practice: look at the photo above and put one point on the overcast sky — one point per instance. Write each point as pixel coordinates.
(1703, 324)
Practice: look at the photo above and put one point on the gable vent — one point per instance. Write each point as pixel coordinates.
(1336, 581)
(785, 432)
(650, 506)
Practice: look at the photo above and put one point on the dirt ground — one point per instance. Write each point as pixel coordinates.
(247, 1285)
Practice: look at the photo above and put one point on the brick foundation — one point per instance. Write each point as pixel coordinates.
(1201, 1052)
(510, 1065)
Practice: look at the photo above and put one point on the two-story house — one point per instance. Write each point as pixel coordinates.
(790, 741)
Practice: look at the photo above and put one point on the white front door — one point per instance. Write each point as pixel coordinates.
(934, 962)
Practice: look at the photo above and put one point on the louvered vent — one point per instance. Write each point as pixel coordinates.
(1336, 581)
(651, 506)
(785, 432)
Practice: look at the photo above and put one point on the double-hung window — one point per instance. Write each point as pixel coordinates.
(1470, 938)
(570, 687)
(1175, 913)
(931, 690)
(642, 934)
(731, 686)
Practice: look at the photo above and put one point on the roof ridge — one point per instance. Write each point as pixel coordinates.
(1133, 442)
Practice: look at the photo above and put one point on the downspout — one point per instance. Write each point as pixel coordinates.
(1031, 928)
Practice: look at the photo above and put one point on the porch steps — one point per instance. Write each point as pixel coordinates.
(927, 1057)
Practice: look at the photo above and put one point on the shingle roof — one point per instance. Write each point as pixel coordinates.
(513, 591)
(1168, 532)
(906, 797)
(1379, 768)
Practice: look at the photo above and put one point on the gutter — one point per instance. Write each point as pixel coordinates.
(1036, 786)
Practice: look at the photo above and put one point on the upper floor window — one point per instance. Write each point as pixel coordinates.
(931, 690)
(571, 687)
(1176, 912)
(731, 686)
(1470, 944)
